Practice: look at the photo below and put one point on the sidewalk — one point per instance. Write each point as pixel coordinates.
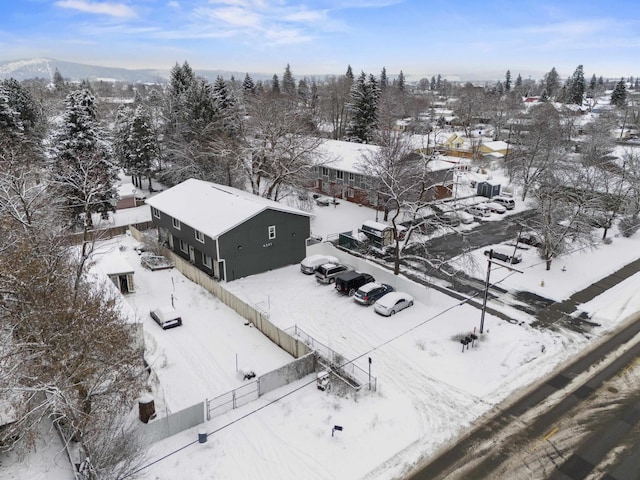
(563, 311)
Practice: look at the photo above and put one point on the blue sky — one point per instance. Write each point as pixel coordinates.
(420, 37)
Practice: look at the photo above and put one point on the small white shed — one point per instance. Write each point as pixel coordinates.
(119, 272)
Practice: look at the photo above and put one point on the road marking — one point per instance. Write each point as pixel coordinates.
(551, 433)
(546, 437)
(631, 365)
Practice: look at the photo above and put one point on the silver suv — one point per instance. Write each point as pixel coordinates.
(328, 272)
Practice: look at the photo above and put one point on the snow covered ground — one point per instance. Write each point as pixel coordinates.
(429, 390)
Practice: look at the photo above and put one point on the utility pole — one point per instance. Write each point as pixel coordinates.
(486, 291)
(490, 263)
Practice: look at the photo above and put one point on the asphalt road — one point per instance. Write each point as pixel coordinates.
(596, 447)
(449, 460)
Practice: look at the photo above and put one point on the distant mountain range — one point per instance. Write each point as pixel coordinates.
(45, 68)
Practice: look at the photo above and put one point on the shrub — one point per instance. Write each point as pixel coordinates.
(629, 225)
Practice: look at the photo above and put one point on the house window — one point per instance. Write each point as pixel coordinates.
(352, 176)
(340, 175)
(272, 232)
(325, 172)
(199, 236)
(350, 193)
(155, 212)
(176, 223)
(183, 246)
(206, 260)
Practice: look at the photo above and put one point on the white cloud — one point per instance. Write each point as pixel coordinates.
(570, 28)
(111, 9)
(235, 16)
(306, 16)
(173, 5)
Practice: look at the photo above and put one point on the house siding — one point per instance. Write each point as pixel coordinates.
(187, 234)
(258, 253)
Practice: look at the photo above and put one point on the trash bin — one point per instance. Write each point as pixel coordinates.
(202, 436)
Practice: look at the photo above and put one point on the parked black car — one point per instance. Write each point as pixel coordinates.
(350, 282)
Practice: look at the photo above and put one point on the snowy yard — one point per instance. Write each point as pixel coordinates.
(198, 359)
(429, 390)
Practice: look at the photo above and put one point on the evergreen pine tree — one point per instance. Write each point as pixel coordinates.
(288, 82)
(619, 94)
(552, 83)
(181, 79)
(363, 105)
(275, 84)
(507, 81)
(58, 81)
(577, 86)
(349, 74)
(518, 84)
(432, 85)
(303, 90)
(142, 146)
(314, 95)
(401, 83)
(439, 82)
(601, 81)
(225, 103)
(593, 83)
(499, 88)
(81, 170)
(384, 81)
(248, 87)
(10, 123)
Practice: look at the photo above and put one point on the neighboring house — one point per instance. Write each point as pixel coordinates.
(340, 176)
(493, 149)
(229, 233)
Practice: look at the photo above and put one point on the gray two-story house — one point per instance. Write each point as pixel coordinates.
(229, 233)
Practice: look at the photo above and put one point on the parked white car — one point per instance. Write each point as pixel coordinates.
(465, 217)
(480, 210)
(166, 317)
(392, 303)
(508, 202)
(309, 265)
(496, 207)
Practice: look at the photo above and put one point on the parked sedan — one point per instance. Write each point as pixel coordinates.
(496, 207)
(393, 302)
(368, 294)
(480, 210)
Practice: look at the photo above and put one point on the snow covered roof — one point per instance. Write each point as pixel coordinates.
(126, 190)
(344, 156)
(214, 209)
(496, 145)
(114, 263)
